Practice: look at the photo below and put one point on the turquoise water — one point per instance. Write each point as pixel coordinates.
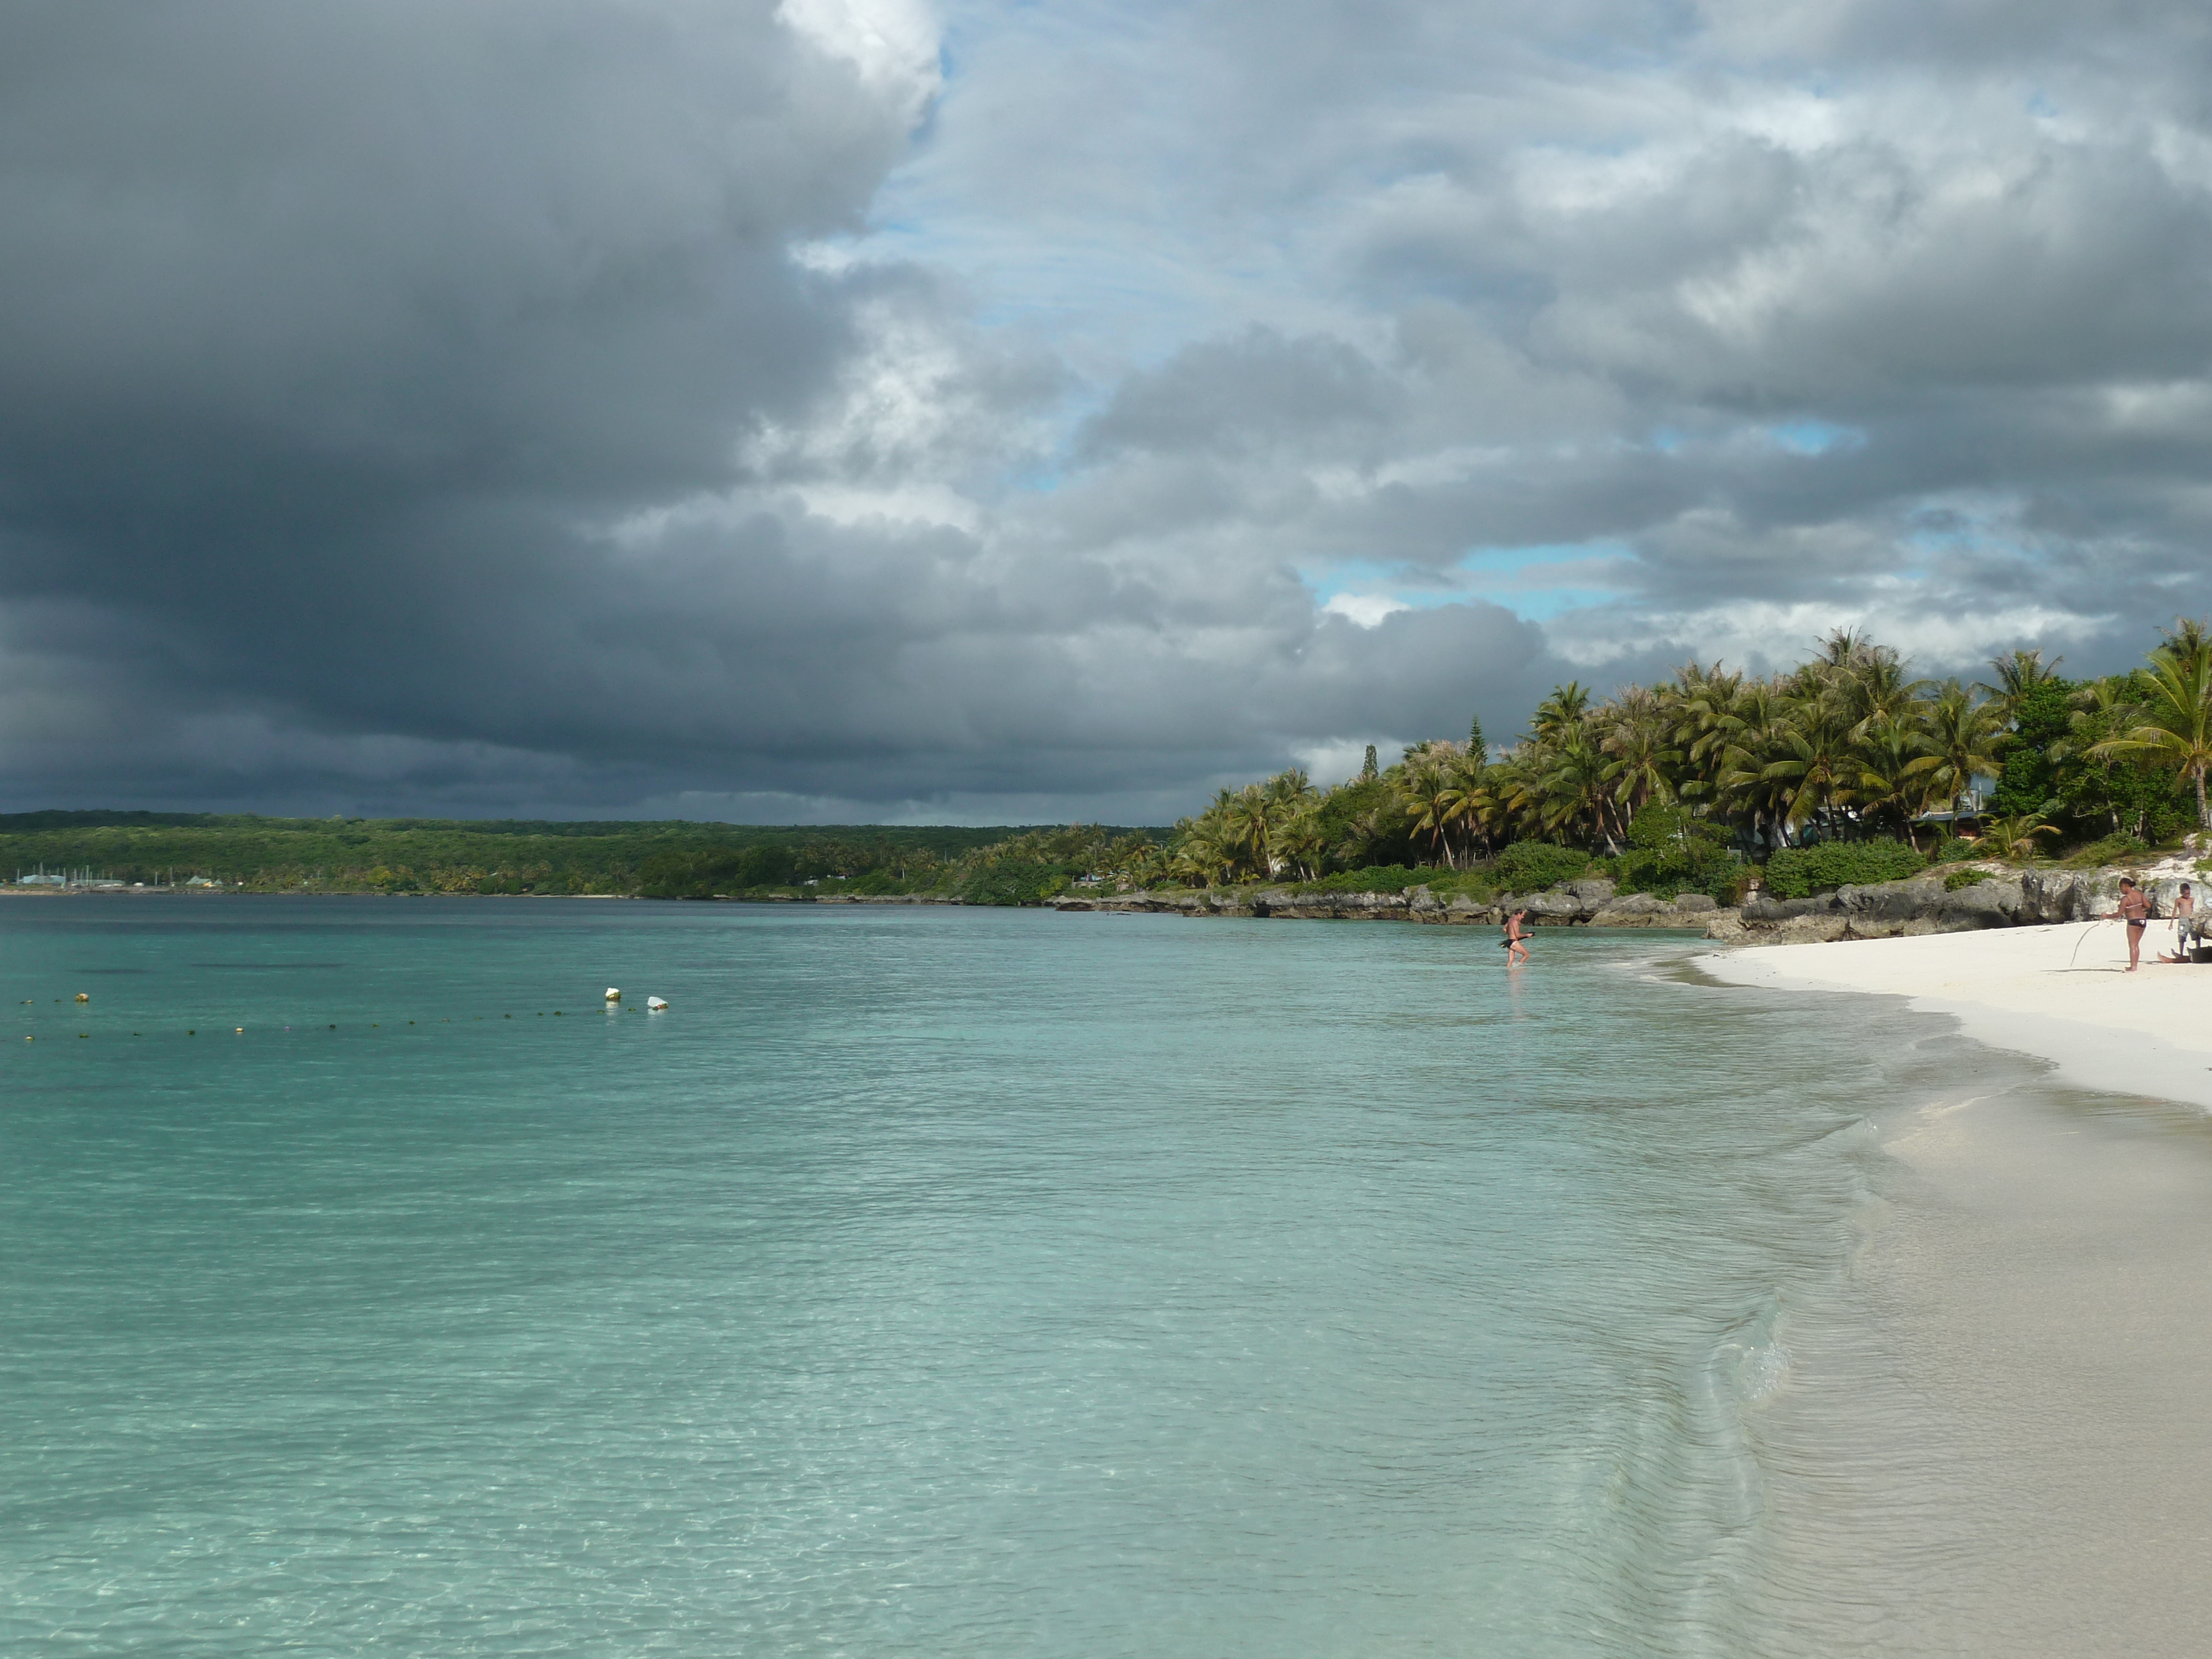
(928, 1282)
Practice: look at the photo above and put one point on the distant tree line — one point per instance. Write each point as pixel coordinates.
(430, 855)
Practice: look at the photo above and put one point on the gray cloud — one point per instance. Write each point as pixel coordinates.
(665, 405)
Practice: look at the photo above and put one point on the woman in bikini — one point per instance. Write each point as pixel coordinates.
(2134, 909)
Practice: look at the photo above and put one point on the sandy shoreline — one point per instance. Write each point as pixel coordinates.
(2045, 1285)
(2060, 993)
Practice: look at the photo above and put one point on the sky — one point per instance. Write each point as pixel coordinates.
(1008, 411)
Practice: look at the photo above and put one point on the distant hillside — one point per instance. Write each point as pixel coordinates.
(494, 855)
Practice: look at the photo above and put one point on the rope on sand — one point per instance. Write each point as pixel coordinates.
(2095, 922)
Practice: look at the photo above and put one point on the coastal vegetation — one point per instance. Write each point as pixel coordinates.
(431, 856)
(1847, 769)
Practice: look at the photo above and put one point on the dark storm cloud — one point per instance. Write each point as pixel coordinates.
(566, 406)
(331, 327)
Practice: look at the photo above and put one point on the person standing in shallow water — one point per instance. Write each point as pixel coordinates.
(1516, 947)
(2134, 909)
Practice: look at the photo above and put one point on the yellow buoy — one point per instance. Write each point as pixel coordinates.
(81, 997)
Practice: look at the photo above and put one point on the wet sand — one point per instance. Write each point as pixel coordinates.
(2042, 1288)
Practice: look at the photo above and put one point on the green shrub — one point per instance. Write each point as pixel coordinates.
(1480, 885)
(1958, 878)
(1375, 879)
(1671, 852)
(1801, 871)
(1952, 850)
(1528, 866)
(2113, 850)
(682, 874)
(1015, 881)
(875, 881)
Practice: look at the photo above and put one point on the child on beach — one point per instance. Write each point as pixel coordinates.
(2184, 924)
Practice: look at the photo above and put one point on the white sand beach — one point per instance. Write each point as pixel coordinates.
(2046, 1282)
(2062, 993)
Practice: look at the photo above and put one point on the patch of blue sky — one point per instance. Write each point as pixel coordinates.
(1535, 583)
(1814, 437)
(1392, 586)
(1808, 436)
(1539, 582)
(1974, 524)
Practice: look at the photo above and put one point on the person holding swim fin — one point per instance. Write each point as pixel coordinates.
(1516, 947)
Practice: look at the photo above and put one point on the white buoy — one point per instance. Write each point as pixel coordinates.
(656, 1004)
(613, 995)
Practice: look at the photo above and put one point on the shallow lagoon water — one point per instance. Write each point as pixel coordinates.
(930, 1282)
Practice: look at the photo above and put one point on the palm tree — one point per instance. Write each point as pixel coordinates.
(1200, 858)
(1427, 784)
(1704, 706)
(2014, 837)
(1816, 770)
(2173, 725)
(2018, 673)
(1466, 800)
(1842, 647)
(1874, 686)
(1887, 788)
(1367, 827)
(1749, 739)
(1964, 740)
(1297, 840)
(1642, 760)
(1289, 797)
(1561, 712)
(1571, 789)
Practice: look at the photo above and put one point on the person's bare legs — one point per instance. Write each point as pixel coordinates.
(2135, 946)
(1516, 953)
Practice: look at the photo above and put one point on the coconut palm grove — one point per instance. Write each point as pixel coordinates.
(1688, 783)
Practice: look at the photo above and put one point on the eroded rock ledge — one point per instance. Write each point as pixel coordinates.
(1592, 901)
(1892, 909)
(1888, 910)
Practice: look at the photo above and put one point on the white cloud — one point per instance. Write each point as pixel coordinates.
(892, 43)
(1366, 610)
